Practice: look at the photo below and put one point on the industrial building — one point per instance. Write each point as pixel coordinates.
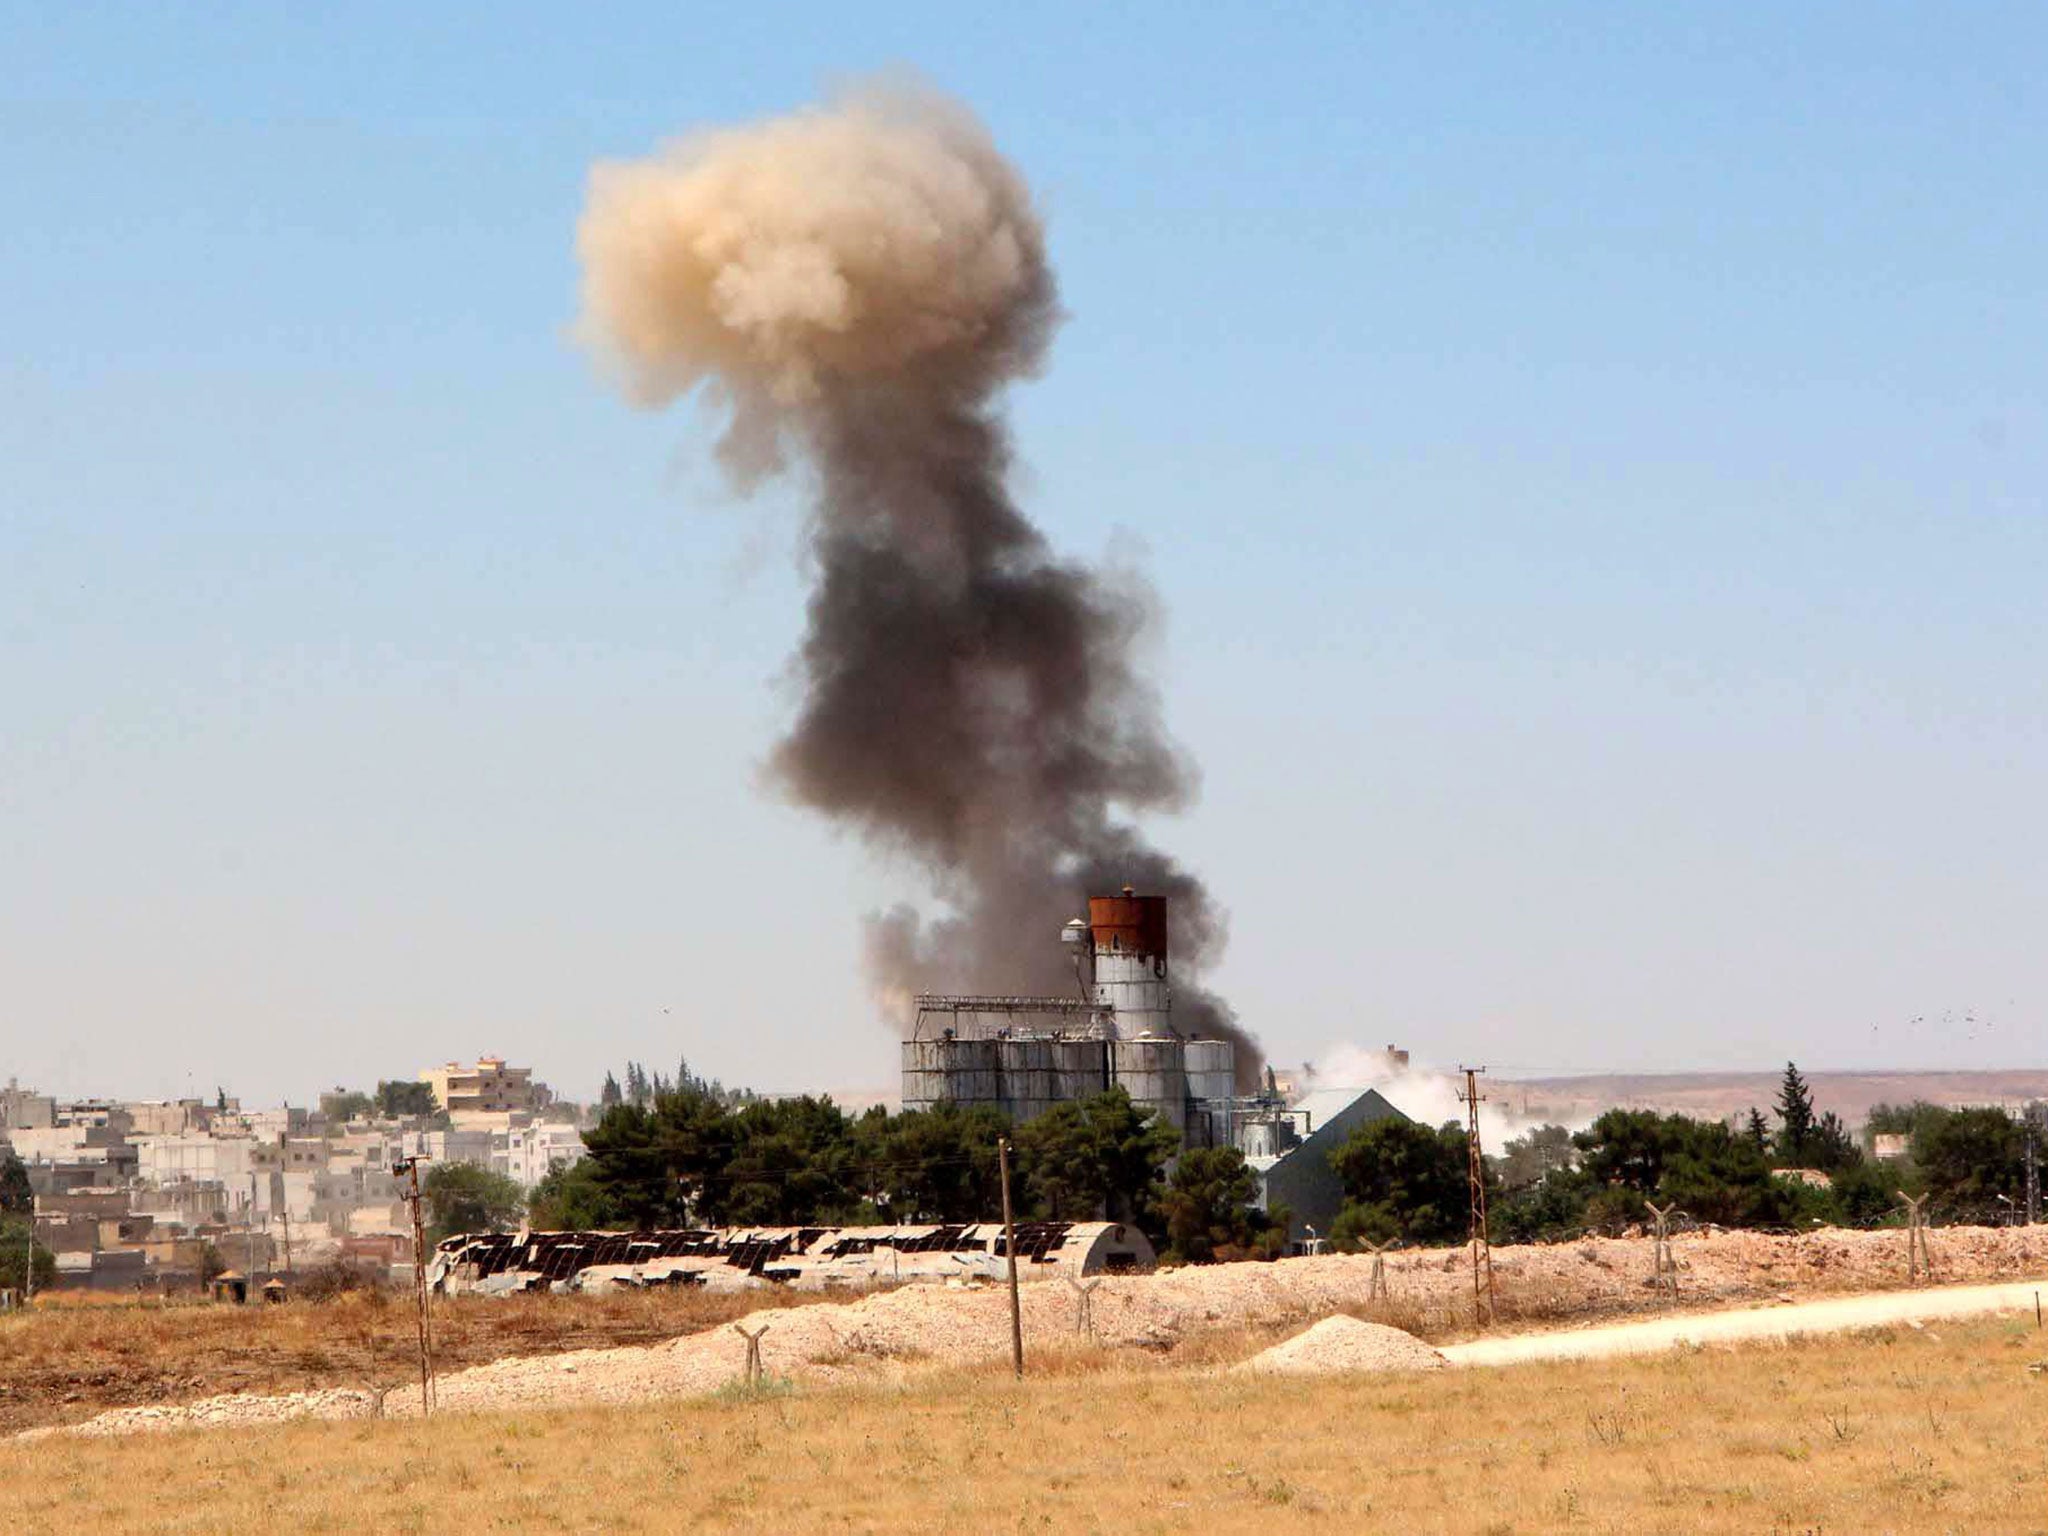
(1288, 1148)
(1023, 1055)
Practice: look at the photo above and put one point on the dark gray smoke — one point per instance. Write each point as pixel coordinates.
(856, 285)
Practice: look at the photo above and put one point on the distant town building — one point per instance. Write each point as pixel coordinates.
(485, 1087)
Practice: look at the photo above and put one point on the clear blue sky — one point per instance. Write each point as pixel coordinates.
(1592, 464)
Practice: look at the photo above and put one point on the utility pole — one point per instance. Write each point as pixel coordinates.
(249, 1238)
(1010, 1248)
(2033, 1124)
(28, 1259)
(1483, 1297)
(411, 1166)
(285, 1207)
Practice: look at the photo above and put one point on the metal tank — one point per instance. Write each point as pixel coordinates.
(1030, 1081)
(1212, 1088)
(1128, 943)
(924, 1072)
(1082, 1068)
(1154, 1073)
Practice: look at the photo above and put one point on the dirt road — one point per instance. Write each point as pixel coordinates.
(1769, 1322)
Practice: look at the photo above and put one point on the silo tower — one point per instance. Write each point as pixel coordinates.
(1127, 934)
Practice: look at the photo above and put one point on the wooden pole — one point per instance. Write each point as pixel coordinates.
(1010, 1249)
(1482, 1246)
(411, 1165)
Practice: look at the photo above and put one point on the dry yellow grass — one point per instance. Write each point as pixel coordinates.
(71, 1355)
(1936, 1430)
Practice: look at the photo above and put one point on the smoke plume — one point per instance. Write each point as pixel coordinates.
(853, 287)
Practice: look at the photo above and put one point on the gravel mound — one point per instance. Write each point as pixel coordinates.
(222, 1412)
(1341, 1344)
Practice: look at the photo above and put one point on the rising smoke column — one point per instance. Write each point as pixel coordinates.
(854, 286)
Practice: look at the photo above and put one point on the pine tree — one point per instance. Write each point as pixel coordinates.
(1795, 1120)
(609, 1096)
(1759, 1132)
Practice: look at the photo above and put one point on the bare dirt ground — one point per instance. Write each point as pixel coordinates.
(1194, 1316)
(1781, 1322)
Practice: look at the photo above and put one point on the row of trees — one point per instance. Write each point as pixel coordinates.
(701, 1156)
(397, 1099)
(1413, 1182)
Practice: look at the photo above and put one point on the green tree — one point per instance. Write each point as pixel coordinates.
(1969, 1157)
(1209, 1210)
(1404, 1180)
(16, 1246)
(609, 1096)
(16, 1197)
(1533, 1156)
(398, 1099)
(1098, 1157)
(1552, 1209)
(655, 1165)
(1628, 1147)
(792, 1165)
(1758, 1132)
(462, 1197)
(936, 1164)
(345, 1104)
(1795, 1145)
(569, 1198)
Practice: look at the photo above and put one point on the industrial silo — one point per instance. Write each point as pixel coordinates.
(924, 1072)
(1082, 1068)
(1212, 1087)
(1030, 1080)
(1128, 934)
(1153, 1071)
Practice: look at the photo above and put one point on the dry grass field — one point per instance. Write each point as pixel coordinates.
(1898, 1430)
(76, 1354)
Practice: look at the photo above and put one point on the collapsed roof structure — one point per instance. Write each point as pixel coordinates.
(497, 1263)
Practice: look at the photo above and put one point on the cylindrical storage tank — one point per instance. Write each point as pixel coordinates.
(924, 1073)
(1082, 1068)
(1029, 1078)
(973, 1072)
(1128, 936)
(1154, 1073)
(1212, 1084)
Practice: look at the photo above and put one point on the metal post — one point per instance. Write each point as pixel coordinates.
(1376, 1288)
(1010, 1248)
(1919, 1263)
(28, 1259)
(754, 1374)
(1084, 1308)
(1483, 1296)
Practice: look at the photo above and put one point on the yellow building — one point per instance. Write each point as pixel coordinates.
(487, 1087)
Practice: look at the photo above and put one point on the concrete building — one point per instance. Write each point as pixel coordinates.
(486, 1086)
(529, 1151)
